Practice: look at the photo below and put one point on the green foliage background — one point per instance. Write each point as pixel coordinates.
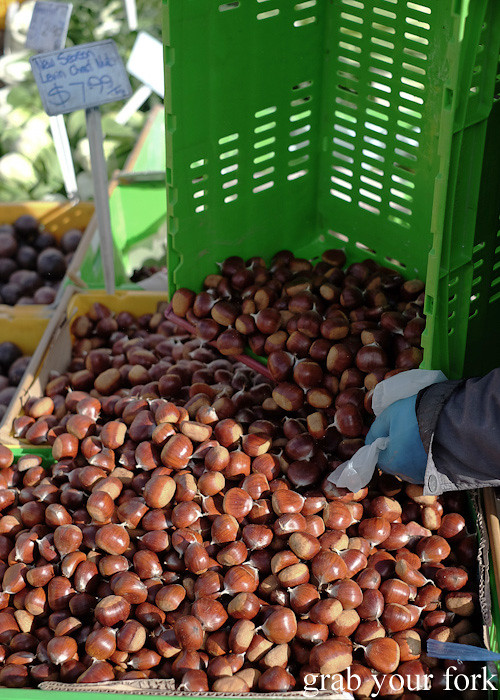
(28, 163)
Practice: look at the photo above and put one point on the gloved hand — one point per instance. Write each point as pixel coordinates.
(405, 455)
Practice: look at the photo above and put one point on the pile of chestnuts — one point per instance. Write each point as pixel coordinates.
(32, 261)
(187, 530)
(203, 563)
(117, 356)
(12, 367)
(329, 334)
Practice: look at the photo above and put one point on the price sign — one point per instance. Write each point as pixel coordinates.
(85, 77)
(146, 62)
(49, 26)
(80, 77)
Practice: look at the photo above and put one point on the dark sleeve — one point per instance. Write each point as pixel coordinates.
(459, 425)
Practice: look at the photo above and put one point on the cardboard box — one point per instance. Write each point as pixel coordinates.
(54, 350)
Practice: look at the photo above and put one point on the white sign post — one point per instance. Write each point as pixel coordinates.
(85, 77)
(131, 12)
(47, 32)
(146, 64)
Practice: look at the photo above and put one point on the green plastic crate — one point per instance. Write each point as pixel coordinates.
(138, 213)
(341, 123)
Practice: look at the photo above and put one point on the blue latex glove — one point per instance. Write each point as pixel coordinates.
(405, 456)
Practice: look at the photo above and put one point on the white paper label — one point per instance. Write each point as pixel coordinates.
(88, 75)
(49, 26)
(146, 62)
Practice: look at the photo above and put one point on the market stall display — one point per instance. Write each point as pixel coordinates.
(217, 496)
(169, 521)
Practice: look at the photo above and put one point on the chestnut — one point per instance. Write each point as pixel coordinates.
(330, 657)
(281, 626)
(382, 654)
(111, 610)
(112, 539)
(189, 633)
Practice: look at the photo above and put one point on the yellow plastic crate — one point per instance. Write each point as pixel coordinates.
(56, 218)
(3, 11)
(23, 326)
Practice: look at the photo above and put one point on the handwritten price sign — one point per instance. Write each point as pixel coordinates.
(80, 77)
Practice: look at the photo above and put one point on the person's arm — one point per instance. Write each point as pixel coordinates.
(459, 424)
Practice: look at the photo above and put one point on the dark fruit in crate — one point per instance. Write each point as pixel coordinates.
(10, 293)
(8, 245)
(9, 353)
(70, 240)
(26, 228)
(7, 267)
(44, 240)
(26, 257)
(28, 280)
(44, 295)
(51, 264)
(17, 370)
(6, 395)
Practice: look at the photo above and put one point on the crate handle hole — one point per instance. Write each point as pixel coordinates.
(266, 156)
(301, 130)
(297, 174)
(341, 195)
(265, 112)
(419, 8)
(304, 5)
(364, 247)
(229, 154)
(262, 173)
(264, 127)
(264, 186)
(197, 180)
(301, 101)
(302, 85)
(229, 169)
(341, 236)
(298, 146)
(396, 263)
(228, 139)
(268, 14)
(304, 22)
(369, 207)
(229, 6)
